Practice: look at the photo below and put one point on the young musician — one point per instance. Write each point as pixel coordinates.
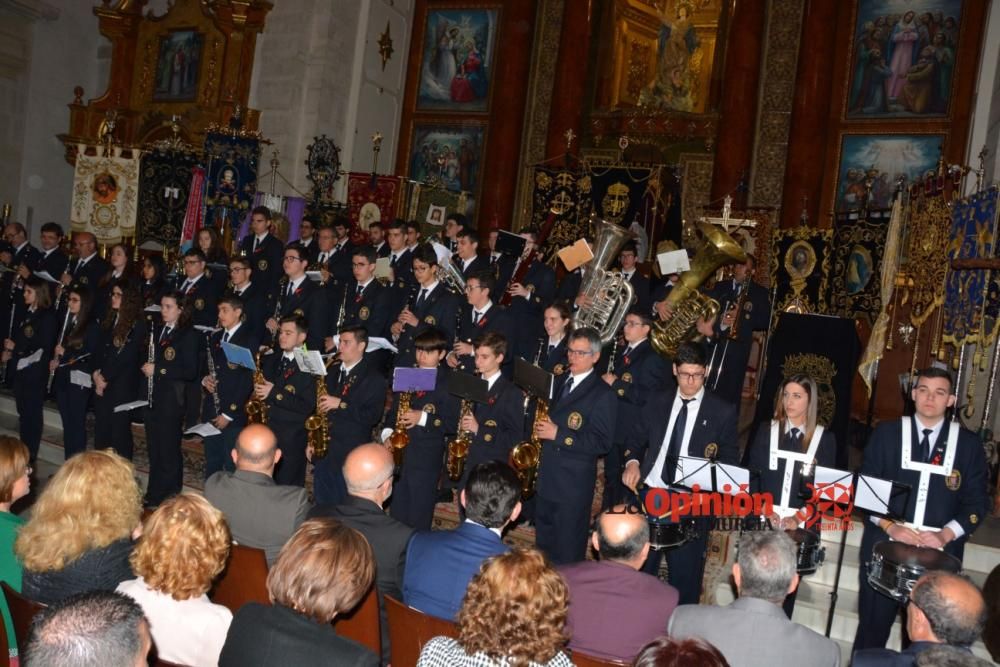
(558, 323)
(412, 234)
(200, 292)
(502, 265)
(34, 334)
(529, 296)
(120, 268)
(795, 438)
(368, 303)
(174, 363)
(638, 372)
(290, 395)
(579, 430)
(431, 417)
(231, 385)
(77, 347)
(123, 345)
(497, 425)
(628, 260)
(307, 238)
(154, 280)
(263, 249)
(467, 259)
(400, 256)
(432, 306)
(699, 424)
(354, 405)
(480, 315)
(945, 467)
(250, 292)
(298, 295)
(453, 224)
(339, 262)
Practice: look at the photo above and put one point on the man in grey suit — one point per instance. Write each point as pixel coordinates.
(260, 513)
(764, 574)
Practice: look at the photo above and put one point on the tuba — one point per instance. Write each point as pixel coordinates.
(256, 408)
(609, 295)
(525, 455)
(687, 304)
(449, 274)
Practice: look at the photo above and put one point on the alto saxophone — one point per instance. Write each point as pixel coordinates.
(458, 448)
(399, 438)
(256, 408)
(317, 424)
(525, 455)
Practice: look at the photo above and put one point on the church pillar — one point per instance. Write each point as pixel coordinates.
(570, 85)
(738, 107)
(810, 115)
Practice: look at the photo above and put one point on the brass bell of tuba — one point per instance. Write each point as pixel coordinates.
(686, 303)
(609, 294)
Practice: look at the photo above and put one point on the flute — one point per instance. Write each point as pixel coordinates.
(62, 336)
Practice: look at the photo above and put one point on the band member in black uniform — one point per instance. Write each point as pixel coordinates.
(87, 268)
(298, 295)
(497, 425)
(209, 241)
(453, 224)
(628, 260)
(729, 362)
(231, 386)
(558, 324)
(339, 262)
(376, 237)
(480, 315)
(501, 264)
(368, 303)
(638, 372)
(201, 295)
(578, 431)
(24, 259)
(263, 249)
(35, 333)
(53, 260)
(431, 417)
(354, 406)
(154, 280)
(412, 234)
(400, 257)
(77, 346)
(700, 425)
(431, 305)
(569, 289)
(124, 345)
(941, 459)
(120, 268)
(795, 438)
(291, 397)
(307, 238)
(175, 363)
(466, 259)
(529, 297)
(251, 293)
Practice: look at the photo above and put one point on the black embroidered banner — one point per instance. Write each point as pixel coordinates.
(855, 279)
(164, 187)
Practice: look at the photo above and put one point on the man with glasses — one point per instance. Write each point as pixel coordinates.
(480, 315)
(250, 292)
(263, 248)
(639, 372)
(88, 267)
(366, 303)
(430, 305)
(200, 292)
(699, 425)
(297, 295)
(578, 431)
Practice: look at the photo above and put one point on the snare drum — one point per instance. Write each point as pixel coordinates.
(663, 532)
(809, 551)
(895, 567)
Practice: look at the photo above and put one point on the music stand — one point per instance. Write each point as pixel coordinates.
(534, 380)
(704, 473)
(468, 387)
(414, 379)
(508, 243)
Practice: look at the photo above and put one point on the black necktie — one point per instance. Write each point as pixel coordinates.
(256, 242)
(566, 388)
(551, 350)
(925, 444)
(475, 317)
(676, 439)
(343, 377)
(392, 262)
(420, 299)
(165, 333)
(225, 337)
(291, 288)
(185, 286)
(796, 436)
(361, 288)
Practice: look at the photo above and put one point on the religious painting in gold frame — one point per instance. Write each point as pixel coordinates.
(659, 54)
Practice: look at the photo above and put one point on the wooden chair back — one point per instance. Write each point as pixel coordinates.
(22, 611)
(584, 660)
(244, 579)
(410, 629)
(362, 624)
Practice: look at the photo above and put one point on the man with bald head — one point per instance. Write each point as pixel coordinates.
(944, 608)
(368, 473)
(260, 513)
(614, 608)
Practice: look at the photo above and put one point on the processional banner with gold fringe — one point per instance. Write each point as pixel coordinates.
(105, 194)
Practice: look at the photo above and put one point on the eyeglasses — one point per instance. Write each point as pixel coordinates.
(633, 324)
(469, 288)
(690, 377)
(238, 268)
(192, 261)
(293, 258)
(578, 353)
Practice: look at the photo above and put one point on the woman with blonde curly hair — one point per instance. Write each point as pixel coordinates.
(183, 548)
(79, 536)
(513, 615)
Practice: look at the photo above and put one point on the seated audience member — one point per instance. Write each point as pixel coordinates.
(79, 536)
(183, 548)
(944, 608)
(943, 655)
(764, 573)
(96, 629)
(614, 609)
(368, 473)
(261, 513)
(324, 570)
(667, 652)
(514, 613)
(440, 564)
(14, 485)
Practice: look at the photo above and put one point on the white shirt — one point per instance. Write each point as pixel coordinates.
(492, 530)
(364, 285)
(240, 290)
(295, 284)
(466, 262)
(260, 238)
(430, 288)
(578, 379)
(348, 369)
(306, 242)
(190, 282)
(491, 380)
(80, 264)
(655, 476)
(188, 632)
(18, 248)
(482, 313)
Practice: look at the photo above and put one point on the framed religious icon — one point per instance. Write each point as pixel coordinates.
(888, 157)
(448, 155)
(177, 66)
(903, 59)
(457, 58)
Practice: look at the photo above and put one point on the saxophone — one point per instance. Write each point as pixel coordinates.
(399, 438)
(317, 424)
(525, 455)
(458, 448)
(256, 408)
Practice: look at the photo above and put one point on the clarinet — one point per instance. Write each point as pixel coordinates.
(213, 375)
(611, 357)
(277, 310)
(458, 325)
(62, 336)
(151, 359)
(10, 334)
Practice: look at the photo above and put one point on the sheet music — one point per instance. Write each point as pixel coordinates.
(874, 495)
(29, 360)
(205, 430)
(81, 379)
(131, 405)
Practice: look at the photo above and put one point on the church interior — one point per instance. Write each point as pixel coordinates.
(850, 149)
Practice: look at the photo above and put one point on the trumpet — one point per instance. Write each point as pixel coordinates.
(525, 455)
(317, 424)
(458, 448)
(399, 438)
(256, 408)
